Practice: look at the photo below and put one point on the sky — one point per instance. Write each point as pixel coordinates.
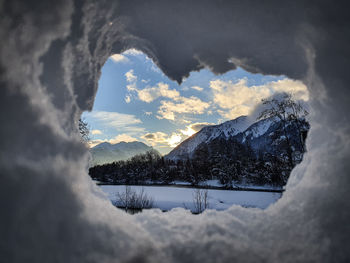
(135, 101)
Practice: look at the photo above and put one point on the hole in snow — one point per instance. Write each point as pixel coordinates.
(210, 142)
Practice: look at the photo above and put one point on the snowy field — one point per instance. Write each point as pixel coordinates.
(166, 197)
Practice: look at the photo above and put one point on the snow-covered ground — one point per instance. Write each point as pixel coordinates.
(167, 197)
(217, 183)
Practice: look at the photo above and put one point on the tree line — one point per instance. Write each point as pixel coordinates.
(228, 161)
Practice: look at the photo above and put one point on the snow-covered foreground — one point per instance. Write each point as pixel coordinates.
(166, 197)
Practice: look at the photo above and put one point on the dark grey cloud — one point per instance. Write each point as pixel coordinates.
(150, 136)
(50, 60)
(198, 126)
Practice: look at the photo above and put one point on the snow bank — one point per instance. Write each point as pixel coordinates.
(167, 198)
(50, 62)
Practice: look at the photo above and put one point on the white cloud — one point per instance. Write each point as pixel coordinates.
(130, 76)
(122, 138)
(160, 139)
(149, 94)
(236, 98)
(96, 132)
(132, 52)
(197, 88)
(194, 127)
(131, 87)
(174, 140)
(119, 121)
(192, 105)
(295, 87)
(119, 138)
(118, 58)
(148, 113)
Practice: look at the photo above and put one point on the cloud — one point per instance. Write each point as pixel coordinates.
(118, 58)
(197, 88)
(174, 140)
(118, 121)
(295, 87)
(155, 138)
(161, 138)
(122, 138)
(148, 113)
(149, 94)
(192, 105)
(237, 98)
(119, 138)
(130, 76)
(133, 52)
(96, 132)
(127, 99)
(114, 119)
(195, 127)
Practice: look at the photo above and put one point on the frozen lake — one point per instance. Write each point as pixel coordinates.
(168, 197)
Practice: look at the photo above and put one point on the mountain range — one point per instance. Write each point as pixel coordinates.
(236, 151)
(107, 153)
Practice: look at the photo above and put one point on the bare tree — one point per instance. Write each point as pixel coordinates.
(200, 200)
(130, 199)
(285, 110)
(84, 130)
(297, 111)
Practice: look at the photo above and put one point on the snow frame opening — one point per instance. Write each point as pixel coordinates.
(131, 85)
(50, 63)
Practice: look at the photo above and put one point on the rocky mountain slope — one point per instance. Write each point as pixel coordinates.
(264, 136)
(207, 134)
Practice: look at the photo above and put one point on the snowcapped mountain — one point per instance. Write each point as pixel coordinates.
(262, 136)
(207, 134)
(108, 153)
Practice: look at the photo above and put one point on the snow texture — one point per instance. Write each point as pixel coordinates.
(167, 198)
(207, 134)
(50, 62)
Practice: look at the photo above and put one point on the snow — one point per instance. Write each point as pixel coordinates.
(258, 129)
(261, 128)
(214, 182)
(167, 198)
(209, 133)
(177, 182)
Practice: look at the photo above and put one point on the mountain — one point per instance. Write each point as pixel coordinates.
(108, 153)
(264, 136)
(235, 152)
(207, 134)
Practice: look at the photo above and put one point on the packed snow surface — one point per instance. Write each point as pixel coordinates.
(166, 197)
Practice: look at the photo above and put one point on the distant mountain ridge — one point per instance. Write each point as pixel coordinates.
(107, 153)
